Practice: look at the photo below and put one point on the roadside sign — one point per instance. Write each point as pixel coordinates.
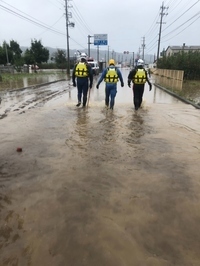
(100, 39)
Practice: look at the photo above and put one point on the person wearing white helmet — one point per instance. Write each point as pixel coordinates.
(82, 76)
(138, 76)
(140, 62)
(110, 75)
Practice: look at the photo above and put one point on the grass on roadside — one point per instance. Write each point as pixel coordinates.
(190, 90)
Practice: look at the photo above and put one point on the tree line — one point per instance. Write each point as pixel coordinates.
(189, 62)
(11, 54)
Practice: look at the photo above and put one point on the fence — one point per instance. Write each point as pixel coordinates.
(169, 78)
(12, 69)
(6, 69)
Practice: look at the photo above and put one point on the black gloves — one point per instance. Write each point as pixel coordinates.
(122, 84)
(74, 84)
(129, 84)
(90, 86)
(150, 87)
(97, 86)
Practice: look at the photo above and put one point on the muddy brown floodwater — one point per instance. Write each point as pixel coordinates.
(99, 187)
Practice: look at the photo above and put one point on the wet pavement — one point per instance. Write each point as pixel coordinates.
(98, 187)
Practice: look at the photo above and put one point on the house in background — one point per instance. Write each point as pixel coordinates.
(171, 50)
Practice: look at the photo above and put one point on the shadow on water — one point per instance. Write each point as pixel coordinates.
(82, 127)
(136, 128)
(78, 131)
(105, 134)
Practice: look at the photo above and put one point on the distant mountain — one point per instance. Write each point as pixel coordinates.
(103, 54)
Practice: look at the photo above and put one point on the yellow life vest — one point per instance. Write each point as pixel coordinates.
(111, 75)
(81, 70)
(140, 76)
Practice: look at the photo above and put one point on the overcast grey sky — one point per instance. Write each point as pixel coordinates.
(129, 24)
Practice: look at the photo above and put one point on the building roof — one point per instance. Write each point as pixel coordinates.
(186, 47)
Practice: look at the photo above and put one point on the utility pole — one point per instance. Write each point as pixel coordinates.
(6, 53)
(89, 36)
(161, 22)
(98, 53)
(139, 52)
(143, 47)
(108, 54)
(68, 24)
(67, 31)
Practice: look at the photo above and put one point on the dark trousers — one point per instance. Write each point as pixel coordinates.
(110, 93)
(138, 91)
(82, 86)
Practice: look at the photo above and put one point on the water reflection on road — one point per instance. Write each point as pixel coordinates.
(26, 98)
(99, 187)
(42, 76)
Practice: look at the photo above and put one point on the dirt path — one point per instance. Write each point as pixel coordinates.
(96, 187)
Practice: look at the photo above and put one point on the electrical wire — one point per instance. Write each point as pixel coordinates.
(181, 15)
(184, 28)
(55, 4)
(51, 26)
(152, 26)
(171, 32)
(30, 20)
(81, 18)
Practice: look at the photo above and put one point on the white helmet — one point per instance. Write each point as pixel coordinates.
(83, 57)
(140, 62)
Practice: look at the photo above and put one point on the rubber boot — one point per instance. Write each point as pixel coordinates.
(84, 102)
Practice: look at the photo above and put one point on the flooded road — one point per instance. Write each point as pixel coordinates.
(98, 187)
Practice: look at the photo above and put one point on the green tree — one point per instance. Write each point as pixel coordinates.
(29, 58)
(37, 54)
(2, 56)
(6, 55)
(189, 62)
(60, 58)
(17, 53)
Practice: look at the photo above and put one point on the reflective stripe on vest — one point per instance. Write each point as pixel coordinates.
(81, 70)
(111, 76)
(140, 77)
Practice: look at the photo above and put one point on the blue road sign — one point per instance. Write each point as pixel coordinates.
(100, 39)
(100, 42)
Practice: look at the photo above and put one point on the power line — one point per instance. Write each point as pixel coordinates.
(183, 24)
(16, 12)
(184, 29)
(55, 4)
(151, 29)
(51, 25)
(77, 43)
(30, 20)
(181, 15)
(152, 44)
(83, 23)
